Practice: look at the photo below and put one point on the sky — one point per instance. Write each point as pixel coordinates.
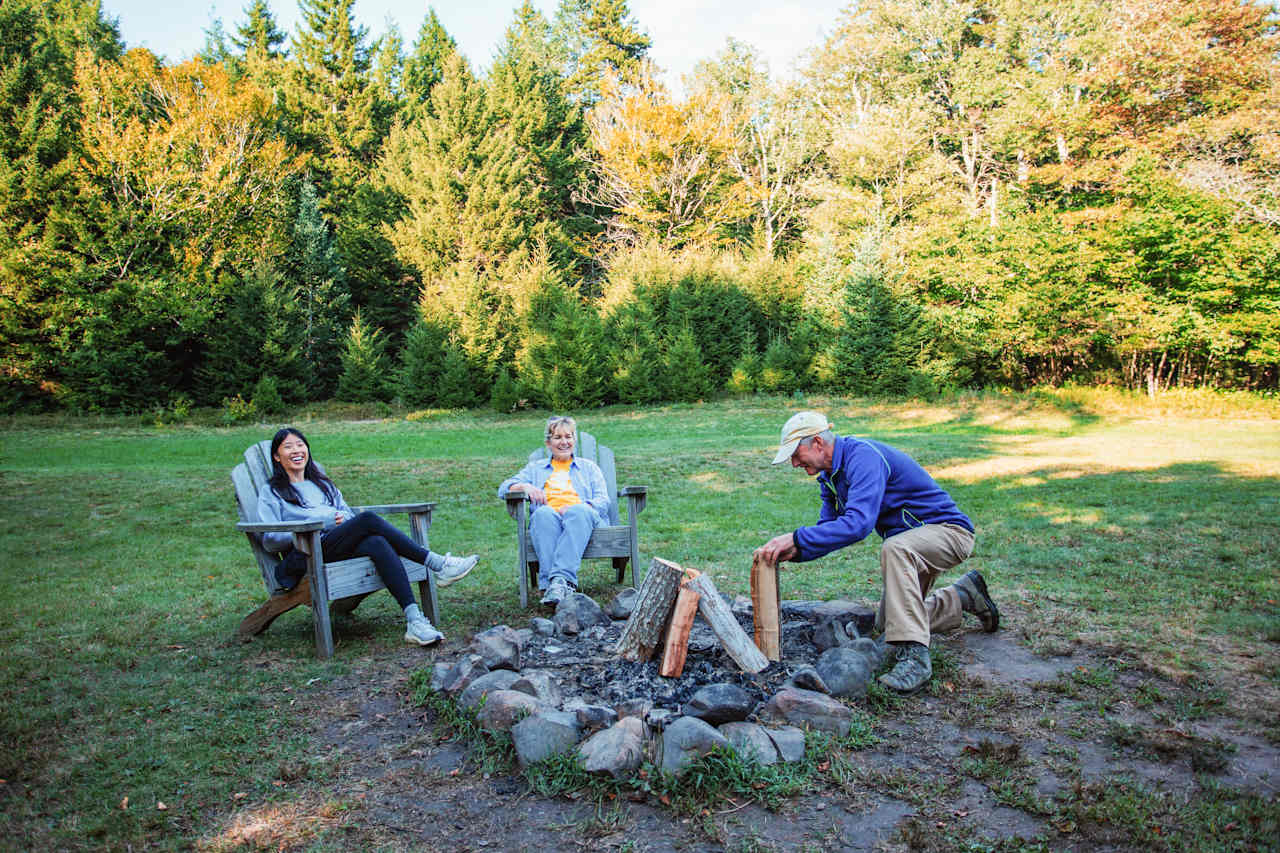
(683, 31)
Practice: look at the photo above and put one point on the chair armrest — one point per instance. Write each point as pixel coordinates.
(636, 497)
(515, 503)
(279, 526)
(382, 509)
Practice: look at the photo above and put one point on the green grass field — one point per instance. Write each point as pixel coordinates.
(1147, 529)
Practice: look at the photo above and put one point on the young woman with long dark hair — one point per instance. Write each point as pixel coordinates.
(299, 491)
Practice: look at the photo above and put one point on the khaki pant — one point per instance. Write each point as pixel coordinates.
(909, 564)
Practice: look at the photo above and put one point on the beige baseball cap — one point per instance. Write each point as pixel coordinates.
(798, 427)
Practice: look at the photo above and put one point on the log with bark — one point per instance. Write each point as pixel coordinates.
(716, 611)
(656, 596)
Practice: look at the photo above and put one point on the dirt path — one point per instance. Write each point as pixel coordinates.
(1010, 745)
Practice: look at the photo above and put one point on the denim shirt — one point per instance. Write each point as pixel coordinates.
(586, 476)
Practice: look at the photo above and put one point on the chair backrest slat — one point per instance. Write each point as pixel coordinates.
(246, 488)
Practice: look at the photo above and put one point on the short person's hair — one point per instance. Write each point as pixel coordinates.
(827, 436)
(561, 420)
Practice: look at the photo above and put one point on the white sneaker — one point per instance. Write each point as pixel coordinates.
(422, 632)
(455, 568)
(557, 591)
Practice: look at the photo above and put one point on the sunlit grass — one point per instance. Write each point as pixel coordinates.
(1150, 528)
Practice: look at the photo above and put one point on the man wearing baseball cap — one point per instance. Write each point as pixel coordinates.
(867, 485)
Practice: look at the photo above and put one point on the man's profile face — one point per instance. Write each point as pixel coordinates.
(812, 456)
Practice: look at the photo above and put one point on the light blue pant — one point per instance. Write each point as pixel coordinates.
(559, 540)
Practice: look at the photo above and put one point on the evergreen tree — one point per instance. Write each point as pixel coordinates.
(466, 185)
(39, 150)
(259, 37)
(457, 387)
(560, 363)
(333, 104)
(877, 350)
(527, 98)
(364, 363)
(324, 300)
(422, 363)
(685, 376)
(598, 39)
(425, 66)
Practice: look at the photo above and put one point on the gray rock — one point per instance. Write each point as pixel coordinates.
(807, 678)
(540, 684)
(829, 632)
(439, 672)
(542, 627)
(636, 706)
(578, 613)
(595, 633)
(617, 750)
(462, 673)
(720, 703)
(623, 603)
(872, 650)
(751, 741)
(790, 742)
(685, 740)
(846, 671)
(593, 718)
(543, 735)
(741, 605)
(807, 708)
(498, 679)
(499, 646)
(862, 616)
(525, 635)
(504, 708)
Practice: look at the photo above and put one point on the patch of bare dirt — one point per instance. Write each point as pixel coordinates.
(982, 757)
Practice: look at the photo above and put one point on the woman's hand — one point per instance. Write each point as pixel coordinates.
(535, 494)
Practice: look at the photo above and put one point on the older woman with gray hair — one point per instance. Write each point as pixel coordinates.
(570, 499)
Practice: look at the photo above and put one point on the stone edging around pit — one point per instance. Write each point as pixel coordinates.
(547, 710)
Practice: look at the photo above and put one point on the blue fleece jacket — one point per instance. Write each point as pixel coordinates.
(873, 486)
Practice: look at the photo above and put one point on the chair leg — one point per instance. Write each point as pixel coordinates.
(620, 567)
(345, 606)
(259, 620)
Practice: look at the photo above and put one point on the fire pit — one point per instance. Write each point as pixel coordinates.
(560, 684)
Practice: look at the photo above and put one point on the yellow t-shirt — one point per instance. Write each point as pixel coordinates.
(559, 488)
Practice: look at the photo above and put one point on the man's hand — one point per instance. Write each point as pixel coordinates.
(777, 549)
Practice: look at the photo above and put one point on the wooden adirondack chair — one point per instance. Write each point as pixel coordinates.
(342, 584)
(616, 541)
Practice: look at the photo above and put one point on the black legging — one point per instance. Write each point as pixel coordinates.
(367, 535)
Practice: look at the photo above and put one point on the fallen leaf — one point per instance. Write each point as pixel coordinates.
(942, 824)
(665, 800)
(161, 807)
(824, 767)
(454, 771)
(959, 813)
(124, 804)
(278, 783)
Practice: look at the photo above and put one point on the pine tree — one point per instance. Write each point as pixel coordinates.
(324, 300)
(365, 367)
(259, 38)
(422, 363)
(466, 185)
(598, 39)
(39, 150)
(560, 363)
(528, 100)
(425, 66)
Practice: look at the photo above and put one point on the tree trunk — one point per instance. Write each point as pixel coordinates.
(656, 597)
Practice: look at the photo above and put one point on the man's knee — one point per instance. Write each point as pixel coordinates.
(544, 515)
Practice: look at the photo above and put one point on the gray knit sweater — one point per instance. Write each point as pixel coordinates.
(315, 507)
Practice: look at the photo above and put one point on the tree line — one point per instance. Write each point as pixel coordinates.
(944, 194)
